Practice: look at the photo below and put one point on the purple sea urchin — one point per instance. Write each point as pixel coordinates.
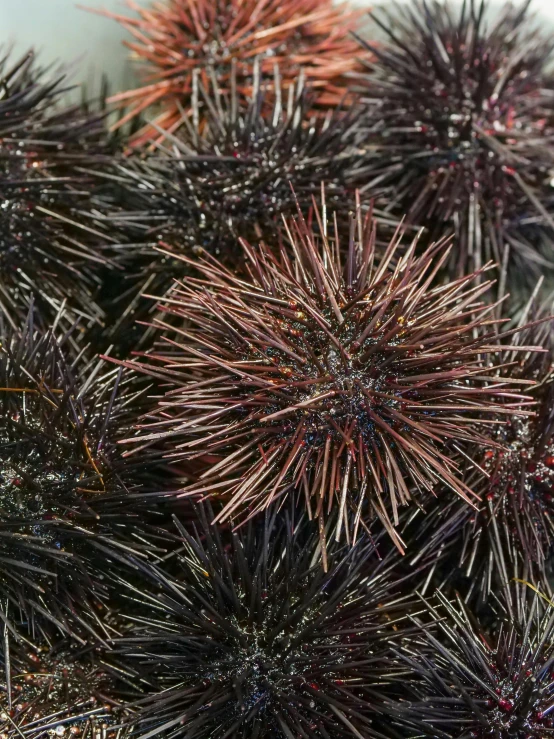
(58, 692)
(252, 638)
(47, 253)
(460, 130)
(226, 173)
(64, 483)
(334, 374)
(513, 525)
(472, 681)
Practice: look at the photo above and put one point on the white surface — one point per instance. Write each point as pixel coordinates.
(544, 7)
(92, 44)
(60, 31)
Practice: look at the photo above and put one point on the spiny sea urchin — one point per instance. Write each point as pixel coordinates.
(65, 514)
(176, 38)
(513, 525)
(57, 692)
(46, 253)
(252, 638)
(334, 374)
(460, 130)
(468, 680)
(228, 176)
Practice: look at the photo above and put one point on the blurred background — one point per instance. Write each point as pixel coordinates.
(90, 45)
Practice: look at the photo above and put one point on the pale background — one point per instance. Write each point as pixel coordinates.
(89, 44)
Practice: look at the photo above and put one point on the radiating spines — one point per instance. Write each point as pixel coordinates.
(468, 677)
(520, 482)
(225, 173)
(47, 252)
(460, 129)
(25, 92)
(174, 40)
(75, 402)
(512, 526)
(331, 373)
(68, 496)
(249, 636)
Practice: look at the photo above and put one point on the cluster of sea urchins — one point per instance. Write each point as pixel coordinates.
(237, 531)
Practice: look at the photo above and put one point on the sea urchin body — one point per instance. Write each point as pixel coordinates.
(512, 528)
(226, 173)
(252, 639)
(64, 484)
(59, 692)
(47, 254)
(176, 38)
(460, 129)
(335, 373)
(471, 681)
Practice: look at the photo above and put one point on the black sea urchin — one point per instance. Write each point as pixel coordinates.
(254, 639)
(476, 682)
(335, 374)
(180, 37)
(227, 174)
(460, 129)
(45, 250)
(63, 483)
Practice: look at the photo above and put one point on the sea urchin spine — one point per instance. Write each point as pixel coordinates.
(460, 130)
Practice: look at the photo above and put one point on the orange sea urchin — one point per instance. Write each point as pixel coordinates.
(176, 38)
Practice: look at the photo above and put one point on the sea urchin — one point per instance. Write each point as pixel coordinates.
(470, 681)
(460, 129)
(513, 525)
(226, 173)
(335, 373)
(252, 639)
(58, 692)
(175, 38)
(47, 253)
(64, 483)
